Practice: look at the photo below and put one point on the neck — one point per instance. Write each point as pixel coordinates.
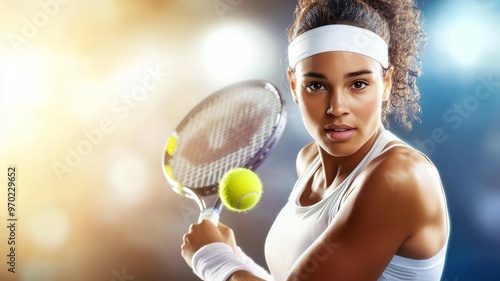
(336, 169)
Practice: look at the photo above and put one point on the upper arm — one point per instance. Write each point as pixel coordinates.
(386, 208)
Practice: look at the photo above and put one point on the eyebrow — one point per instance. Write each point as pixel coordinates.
(346, 76)
(357, 73)
(314, 75)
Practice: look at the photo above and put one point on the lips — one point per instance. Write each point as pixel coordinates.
(339, 132)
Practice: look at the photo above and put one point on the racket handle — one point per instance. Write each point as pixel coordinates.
(211, 214)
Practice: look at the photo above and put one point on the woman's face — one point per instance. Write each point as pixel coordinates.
(340, 97)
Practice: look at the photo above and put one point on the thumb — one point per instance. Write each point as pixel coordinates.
(223, 227)
(225, 230)
(228, 234)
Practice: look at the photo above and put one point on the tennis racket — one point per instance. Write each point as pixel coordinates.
(235, 127)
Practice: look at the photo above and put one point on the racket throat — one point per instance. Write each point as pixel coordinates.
(212, 214)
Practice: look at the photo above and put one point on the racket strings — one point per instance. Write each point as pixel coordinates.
(225, 133)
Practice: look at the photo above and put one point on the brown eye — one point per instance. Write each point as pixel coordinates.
(315, 86)
(359, 85)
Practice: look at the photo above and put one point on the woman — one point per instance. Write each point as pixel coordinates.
(366, 206)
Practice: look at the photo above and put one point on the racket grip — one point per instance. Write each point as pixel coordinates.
(211, 214)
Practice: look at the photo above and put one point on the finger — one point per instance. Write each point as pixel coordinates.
(185, 239)
(197, 227)
(222, 226)
(191, 227)
(208, 226)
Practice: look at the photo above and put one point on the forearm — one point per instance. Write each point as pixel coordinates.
(243, 275)
(254, 268)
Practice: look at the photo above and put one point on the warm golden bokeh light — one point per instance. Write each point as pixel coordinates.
(89, 92)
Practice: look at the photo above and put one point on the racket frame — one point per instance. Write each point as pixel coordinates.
(198, 193)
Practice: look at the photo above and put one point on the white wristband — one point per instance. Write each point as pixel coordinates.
(253, 267)
(216, 262)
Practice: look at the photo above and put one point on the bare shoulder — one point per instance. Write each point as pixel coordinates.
(405, 187)
(404, 174)
(305, 157)
(405, 168)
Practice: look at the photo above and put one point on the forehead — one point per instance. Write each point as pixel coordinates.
(340, 62)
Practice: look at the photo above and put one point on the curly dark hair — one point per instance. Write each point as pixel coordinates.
(398, 22)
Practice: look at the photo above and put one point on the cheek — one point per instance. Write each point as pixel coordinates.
(312, 107)
(369, 106)
(312, 111)
(309, 113)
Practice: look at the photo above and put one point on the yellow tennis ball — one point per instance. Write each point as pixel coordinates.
(240, 189)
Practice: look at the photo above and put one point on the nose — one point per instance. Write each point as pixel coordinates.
(338, 105)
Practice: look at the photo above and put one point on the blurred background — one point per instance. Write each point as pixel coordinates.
(90, 91)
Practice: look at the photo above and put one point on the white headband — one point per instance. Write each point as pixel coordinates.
(338, 37)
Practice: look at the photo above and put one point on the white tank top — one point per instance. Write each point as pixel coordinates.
(297, 227)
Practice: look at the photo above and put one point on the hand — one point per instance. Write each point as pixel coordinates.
(204, 233)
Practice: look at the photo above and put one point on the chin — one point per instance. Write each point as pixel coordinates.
(341, 149)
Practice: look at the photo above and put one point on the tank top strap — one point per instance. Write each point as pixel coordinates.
(383, 139)
(302, 180)
(391, 137)
(378, 148)
(392, 146)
